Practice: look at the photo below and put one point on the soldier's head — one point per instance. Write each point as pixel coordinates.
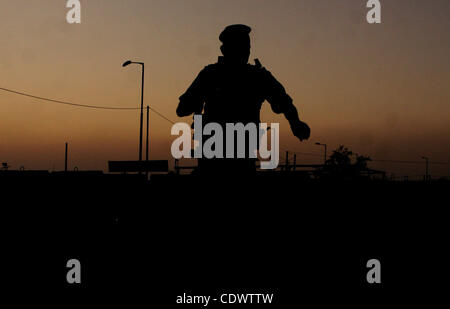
(236, 43)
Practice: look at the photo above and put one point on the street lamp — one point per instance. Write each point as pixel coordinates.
(325, 153)
(126, 63)
(426, 168)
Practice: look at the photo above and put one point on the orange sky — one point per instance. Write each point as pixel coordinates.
(382, 90)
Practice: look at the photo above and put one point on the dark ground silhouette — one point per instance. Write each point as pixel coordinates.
(153, 241)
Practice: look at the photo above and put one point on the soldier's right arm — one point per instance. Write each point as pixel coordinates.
(193, 99)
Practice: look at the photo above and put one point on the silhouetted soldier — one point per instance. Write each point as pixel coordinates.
(232, 91)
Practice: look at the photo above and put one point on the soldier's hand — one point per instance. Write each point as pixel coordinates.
(301, 130)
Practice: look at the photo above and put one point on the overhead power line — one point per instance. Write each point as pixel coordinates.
(161, 115)
(409, 162)
(306, 153)
(81, 105)
(65, 102)
(375, 160)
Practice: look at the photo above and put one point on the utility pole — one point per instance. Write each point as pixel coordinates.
(295, 161)
(287, 161)
(427, 176)
(65, 159)
(325, 152)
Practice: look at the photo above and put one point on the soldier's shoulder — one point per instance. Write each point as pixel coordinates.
(210, 69)
(258, 69)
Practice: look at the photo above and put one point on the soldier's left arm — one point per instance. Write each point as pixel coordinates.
(281, 102)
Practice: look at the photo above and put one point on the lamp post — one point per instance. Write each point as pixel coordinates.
(147, 137)
(146, 141)
(325, 153)
(426, 168)
(142, 104)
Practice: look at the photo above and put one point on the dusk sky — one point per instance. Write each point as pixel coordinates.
(380, 89)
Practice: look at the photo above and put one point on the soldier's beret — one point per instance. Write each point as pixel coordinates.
(234, 32)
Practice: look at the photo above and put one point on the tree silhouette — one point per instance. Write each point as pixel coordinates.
(341, 165)
(361, 161)
(341, 157)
